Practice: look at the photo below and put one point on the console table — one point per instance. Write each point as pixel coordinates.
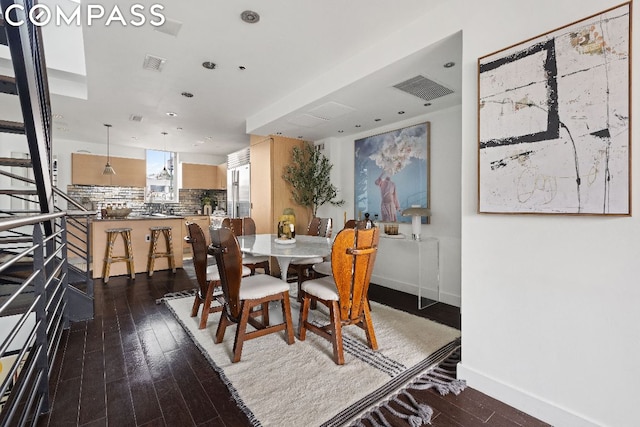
(411, 266)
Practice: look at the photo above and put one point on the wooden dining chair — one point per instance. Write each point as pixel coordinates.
(345, 293)
(242, 227)
(324, 268)
(302, 266)
(207, 276)
(250, 260)
(247, 298)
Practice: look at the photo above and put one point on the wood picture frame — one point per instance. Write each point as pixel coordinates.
(554, 119)
(391, 173)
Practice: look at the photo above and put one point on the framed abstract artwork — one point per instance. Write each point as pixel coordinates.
(554, 121)
(392, 173)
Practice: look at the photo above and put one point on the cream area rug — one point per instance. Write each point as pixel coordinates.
(282, 385)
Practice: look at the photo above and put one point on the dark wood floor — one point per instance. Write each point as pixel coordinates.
(133, 365)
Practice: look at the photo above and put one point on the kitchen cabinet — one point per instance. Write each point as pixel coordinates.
(199, 176)
(86, 169)
(222, 177)
(270, 194)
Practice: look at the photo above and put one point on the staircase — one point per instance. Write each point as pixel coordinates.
(41, 291)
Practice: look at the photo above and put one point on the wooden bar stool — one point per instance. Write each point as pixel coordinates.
(153, 248)
(112, 235)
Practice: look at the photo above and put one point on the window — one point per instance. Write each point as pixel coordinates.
(161, 177)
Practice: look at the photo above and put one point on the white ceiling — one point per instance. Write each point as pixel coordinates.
(293, 45)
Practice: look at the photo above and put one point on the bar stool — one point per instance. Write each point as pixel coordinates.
(153, 247)
(112, 235)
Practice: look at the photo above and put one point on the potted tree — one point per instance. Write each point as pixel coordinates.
(309, 177)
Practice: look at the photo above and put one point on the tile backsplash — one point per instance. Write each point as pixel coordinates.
(94, 197)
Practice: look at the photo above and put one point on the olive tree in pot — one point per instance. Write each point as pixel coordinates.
(309, 177)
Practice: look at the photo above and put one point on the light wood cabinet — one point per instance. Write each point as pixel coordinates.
(270, 194)
(199, 176)
(222, 177)
(86, 169)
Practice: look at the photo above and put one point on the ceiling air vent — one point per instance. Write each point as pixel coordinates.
(135, 118)
(423, 88)
(154, 63)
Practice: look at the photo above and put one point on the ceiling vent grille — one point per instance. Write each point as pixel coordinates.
(238, 158)
(135, 118)
(153, 63)
(423, 88)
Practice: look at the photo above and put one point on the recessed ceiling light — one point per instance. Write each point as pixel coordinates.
(178, 129)
(400, 112)
(242, 68)
(449, 64)
(278, 133)
(171, 114)
(358, 126)
(209, 65)
(340, 131)
(428, 104)
(376, 120)
(187, 94)
(250, 17)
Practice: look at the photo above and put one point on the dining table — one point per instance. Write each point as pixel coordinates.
(284, 251)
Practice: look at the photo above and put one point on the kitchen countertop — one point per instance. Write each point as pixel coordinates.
(141, 217)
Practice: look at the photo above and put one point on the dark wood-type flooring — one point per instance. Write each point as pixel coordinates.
(133, 365)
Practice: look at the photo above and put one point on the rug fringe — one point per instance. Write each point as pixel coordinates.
(442, 378)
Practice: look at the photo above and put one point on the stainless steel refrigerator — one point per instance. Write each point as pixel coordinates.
(238, 184)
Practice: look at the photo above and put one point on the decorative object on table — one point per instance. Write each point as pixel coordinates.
(554, 121)
(391, 228)
(283, 241)
(117, 212)
(392, 172)
(416, 212)
(412, 357)
(108, 169)
(309, 177)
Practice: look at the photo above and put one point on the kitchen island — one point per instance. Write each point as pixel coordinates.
(140, 242)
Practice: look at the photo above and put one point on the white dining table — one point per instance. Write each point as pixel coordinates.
(304, 247)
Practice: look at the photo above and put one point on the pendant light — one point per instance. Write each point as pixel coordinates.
(165, 173)
(108, 169)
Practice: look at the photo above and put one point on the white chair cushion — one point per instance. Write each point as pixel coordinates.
(254, 259)
(323, 268)
(307, 261)
(261, 285)
(323, 288)
(214, 274)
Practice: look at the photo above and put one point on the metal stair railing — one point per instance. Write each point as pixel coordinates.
(27, 57)
(32, 317)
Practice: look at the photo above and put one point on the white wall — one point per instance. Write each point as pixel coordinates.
(549, 303)
(445, 206)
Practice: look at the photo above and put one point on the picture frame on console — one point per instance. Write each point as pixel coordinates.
(392, 173)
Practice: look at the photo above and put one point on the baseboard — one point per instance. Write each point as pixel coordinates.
(519, 399)
(408, 288)
(450, 299)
